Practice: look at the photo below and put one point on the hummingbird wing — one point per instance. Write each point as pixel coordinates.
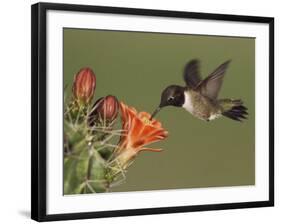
(211, 85)
(191, 74)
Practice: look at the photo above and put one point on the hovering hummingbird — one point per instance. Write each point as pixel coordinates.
(199, 97)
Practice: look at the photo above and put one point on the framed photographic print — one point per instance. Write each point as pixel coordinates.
(138, 111)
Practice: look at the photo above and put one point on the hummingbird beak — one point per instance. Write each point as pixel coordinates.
(155, 112)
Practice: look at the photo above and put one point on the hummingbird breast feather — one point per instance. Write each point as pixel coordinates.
(215, 116)
(188, 104)
(200, 106)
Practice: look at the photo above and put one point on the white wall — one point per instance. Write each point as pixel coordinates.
(15, 110)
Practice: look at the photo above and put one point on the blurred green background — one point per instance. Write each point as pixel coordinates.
(136, 67)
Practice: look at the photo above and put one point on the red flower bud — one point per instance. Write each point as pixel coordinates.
(105, 108)
(84, 85)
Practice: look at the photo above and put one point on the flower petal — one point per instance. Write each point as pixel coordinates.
(151, 150)
(140, 131)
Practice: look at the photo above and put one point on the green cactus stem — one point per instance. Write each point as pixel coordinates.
(88, 152)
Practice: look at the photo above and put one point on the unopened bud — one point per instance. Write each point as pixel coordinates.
(105, 109)
(84, 85)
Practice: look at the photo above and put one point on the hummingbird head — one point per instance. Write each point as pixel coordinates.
(172, 95)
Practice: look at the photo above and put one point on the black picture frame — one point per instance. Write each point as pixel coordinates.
(39, 122)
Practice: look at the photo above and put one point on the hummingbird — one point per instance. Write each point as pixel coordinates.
(200, 96)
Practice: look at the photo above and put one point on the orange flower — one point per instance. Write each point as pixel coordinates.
(139, 132)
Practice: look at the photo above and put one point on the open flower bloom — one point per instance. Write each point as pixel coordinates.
(139, 131)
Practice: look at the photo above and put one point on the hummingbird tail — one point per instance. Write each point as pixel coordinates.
(233, 109)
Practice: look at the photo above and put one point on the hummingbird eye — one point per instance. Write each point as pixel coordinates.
(171, 98)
